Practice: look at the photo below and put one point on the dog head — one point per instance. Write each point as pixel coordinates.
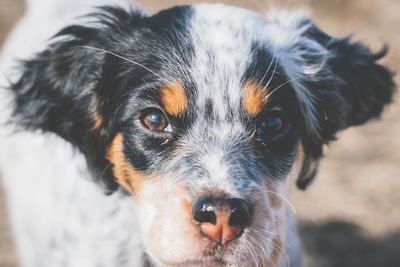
(206, 114)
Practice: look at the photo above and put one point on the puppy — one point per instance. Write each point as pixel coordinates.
(171, 139)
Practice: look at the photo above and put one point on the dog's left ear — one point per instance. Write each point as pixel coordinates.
(338, 82)
(359, 85)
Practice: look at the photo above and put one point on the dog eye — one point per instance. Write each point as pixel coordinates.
(156, 121)
(271, 125)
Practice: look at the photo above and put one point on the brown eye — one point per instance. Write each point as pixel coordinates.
(156, 121)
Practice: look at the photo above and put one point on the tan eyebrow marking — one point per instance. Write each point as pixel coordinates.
(254, 97)
(174, 98)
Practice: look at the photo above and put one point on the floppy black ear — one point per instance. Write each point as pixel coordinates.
(363, 86)
(60, 89)
(362, 89)
(338, 82)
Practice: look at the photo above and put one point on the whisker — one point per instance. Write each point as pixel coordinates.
(249, 247)
(272, 75)
(281, 248)
(124, 58)
(282, 84)
(268, 69)
(285, 199)
(262, 237)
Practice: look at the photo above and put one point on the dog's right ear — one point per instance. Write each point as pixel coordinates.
(62, 88)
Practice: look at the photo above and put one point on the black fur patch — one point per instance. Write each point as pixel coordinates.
(356, 91)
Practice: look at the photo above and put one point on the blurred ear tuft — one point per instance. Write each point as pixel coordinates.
(339, 83)
(367, 86)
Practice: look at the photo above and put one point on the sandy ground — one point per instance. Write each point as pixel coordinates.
(350, 216)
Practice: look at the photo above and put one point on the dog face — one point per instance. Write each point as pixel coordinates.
(206, 114)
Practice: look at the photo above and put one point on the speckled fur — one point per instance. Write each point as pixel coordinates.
(55, 187)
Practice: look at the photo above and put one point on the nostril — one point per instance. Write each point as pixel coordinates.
(205, 211)
(222, 219)
(240, 213)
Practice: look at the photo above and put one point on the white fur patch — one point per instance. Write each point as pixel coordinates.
(61, 217)
(58, 214)
(285, 32)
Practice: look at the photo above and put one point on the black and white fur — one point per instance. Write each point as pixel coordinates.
(65, 204)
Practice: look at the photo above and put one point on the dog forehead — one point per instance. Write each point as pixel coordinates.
(223, 15)
(223, 40)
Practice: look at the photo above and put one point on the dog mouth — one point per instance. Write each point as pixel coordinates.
(215, 256)
(206, 261)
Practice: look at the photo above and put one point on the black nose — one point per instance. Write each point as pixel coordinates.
(222, 219)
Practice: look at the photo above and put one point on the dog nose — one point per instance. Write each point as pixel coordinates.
(222, 219)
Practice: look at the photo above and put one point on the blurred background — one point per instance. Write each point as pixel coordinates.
(350, 215)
